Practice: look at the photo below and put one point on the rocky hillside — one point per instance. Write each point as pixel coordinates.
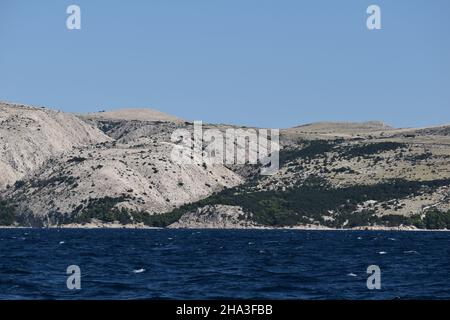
(30, 136)
(343, 175)
(115, 168)
(128, 170)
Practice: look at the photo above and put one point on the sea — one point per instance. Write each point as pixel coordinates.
(127, 264)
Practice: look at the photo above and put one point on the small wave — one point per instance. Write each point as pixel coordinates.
(392, 239)
(352, 274)
(139, 270)
(359, 238)
(62, 242)
(382, 252)
(411, 252)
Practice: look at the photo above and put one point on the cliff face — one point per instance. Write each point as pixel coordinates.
(59, 166)
(138, 178)
(215, 217)
(30, 136)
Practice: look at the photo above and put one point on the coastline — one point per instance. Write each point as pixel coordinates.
(114, 226)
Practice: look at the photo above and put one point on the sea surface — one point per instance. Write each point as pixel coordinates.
(215, 264)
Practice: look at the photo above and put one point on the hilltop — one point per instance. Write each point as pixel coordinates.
(30, 136)
(131, 114)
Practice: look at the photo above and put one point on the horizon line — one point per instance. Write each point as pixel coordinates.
(309, 123)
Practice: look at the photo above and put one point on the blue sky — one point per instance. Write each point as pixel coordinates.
(276, 63)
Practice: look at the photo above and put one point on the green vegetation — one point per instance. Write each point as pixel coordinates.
(7, 213)
(433, 220)
(313, 149)
(102, 209)
(267, 210)
(303, 205)
(107, 126)
(70, 180)
(420, 157)
(436, 219)
(366, 150)
(343, 170)
(76, 160)
(309, 202)
(19, 184)
(157, 220)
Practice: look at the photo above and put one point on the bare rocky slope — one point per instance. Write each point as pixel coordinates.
(114, 168)
(30, 136)
(125, 173)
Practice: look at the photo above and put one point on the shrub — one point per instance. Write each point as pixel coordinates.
(7, 213)
(436, 219)
(370, 149)
(76, 160)
(19, 184)
(309, 202)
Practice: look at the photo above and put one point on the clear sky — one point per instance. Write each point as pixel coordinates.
(276, 63)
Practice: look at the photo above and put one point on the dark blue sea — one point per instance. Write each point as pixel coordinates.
(215, 264)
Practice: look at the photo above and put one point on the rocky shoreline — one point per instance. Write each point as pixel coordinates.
(94, 225)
